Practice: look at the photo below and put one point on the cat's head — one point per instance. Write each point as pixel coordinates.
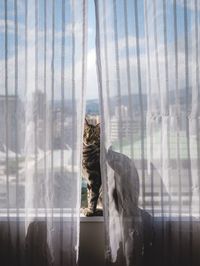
(91, 133)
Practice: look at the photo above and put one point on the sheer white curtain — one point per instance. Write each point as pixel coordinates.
(148, 68)
(42, 84)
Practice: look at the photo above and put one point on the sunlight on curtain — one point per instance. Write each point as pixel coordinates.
(42, 55)
(148, 67)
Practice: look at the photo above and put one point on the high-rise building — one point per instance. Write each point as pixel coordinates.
(12, 119)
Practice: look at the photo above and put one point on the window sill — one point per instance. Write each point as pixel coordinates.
(93, 219)
(20, 215)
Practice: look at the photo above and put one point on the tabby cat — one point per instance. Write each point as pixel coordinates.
(91, 167)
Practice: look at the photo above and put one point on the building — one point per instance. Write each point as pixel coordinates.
(12, 122)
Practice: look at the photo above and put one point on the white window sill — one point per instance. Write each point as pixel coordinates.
(94, 219)
(21, 215)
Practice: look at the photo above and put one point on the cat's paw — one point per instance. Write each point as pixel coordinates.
(98, 212)
(88, 212)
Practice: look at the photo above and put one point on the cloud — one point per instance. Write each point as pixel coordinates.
(153, 67)
(31, 53)
(10, 26)
(132, 43)
(92, 87)
(189, 4)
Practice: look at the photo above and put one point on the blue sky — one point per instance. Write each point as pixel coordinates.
(92, 91)
(92, 87)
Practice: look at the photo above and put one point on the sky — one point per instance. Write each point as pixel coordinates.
(92, 88)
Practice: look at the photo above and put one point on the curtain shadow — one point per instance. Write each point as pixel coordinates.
(36, 247)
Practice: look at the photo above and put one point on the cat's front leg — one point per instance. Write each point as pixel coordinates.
(93, 188)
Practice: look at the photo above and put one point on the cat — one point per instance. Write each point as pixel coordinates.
(91, 167)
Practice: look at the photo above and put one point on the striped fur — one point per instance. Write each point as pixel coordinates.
(91, 165)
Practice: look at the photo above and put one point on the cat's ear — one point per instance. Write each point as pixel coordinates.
(86, 122)
(97, 125)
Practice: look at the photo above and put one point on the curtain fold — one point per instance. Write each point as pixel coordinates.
(43, 66)
(148, 70)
